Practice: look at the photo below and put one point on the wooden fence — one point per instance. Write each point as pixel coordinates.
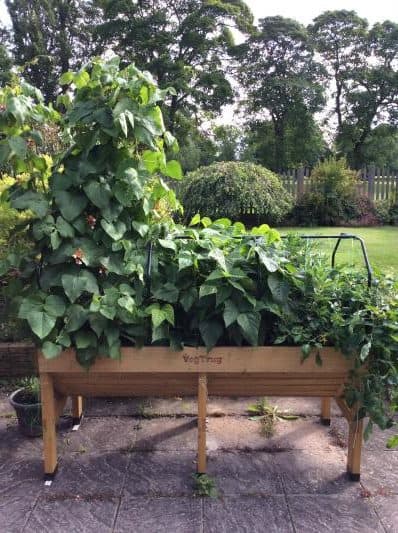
(375, 183)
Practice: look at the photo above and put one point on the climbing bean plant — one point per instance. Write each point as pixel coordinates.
(109, 267)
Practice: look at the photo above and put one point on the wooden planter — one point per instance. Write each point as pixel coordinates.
(225, 371)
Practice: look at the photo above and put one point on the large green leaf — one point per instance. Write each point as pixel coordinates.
(211, 331)
(207, 290)
(71, 204)
(51, 350)
(34, 201)
(167, 292)
(249, 324)
(188, 298)
(231, 313)
(115, 230)
(17, 107)
(270, 264)
(75, 317)
(219, 257)
(279, 288)
(75, 284)
(98, 194)
(54, 305)
(64, 228)
(84, 339)
(41, 323)
(18, 146)
(173, 170)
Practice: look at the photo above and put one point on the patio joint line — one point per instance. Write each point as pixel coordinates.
(32, 510)
(202, 516)
(377, 515)
(121, 492)
(287, 504)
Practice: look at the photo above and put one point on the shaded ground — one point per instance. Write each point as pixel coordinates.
(129, 469)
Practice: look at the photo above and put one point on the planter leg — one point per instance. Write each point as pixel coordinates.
(355, 437)
(325, 411)
(202, 411)
(77, 411)
(49, 418)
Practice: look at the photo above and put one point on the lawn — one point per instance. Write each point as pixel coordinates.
(381, 243)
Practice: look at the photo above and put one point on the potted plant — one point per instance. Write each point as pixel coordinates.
(27, 404)
(121, 300)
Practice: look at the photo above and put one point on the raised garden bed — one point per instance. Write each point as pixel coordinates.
(225, 371)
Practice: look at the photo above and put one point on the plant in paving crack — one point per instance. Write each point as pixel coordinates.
(268, 415)
(205, 485)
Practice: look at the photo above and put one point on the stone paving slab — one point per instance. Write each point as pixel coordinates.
(247, 515)
(159, 515)
(315, 472)
(245, 474)
(73, 516)
(160, 474)
(336, 513)
(90, 475)
(380, 472)
(387, 510)
(16, 504)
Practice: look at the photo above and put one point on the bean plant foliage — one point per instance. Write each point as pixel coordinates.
(109, 269)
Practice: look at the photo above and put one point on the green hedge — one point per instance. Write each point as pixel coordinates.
(235, 190)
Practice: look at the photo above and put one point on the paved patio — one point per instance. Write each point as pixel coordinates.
(129, 469)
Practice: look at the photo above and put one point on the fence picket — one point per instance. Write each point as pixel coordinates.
(375, 183)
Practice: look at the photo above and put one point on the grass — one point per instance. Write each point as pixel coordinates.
(381, 244)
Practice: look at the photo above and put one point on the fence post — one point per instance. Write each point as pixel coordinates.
(300, 181)
(371, 181)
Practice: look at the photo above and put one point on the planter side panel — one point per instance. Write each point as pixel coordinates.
(268, 359)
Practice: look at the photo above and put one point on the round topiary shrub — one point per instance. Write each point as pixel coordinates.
(238, 191)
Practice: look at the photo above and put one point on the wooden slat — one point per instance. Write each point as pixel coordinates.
(221, 359)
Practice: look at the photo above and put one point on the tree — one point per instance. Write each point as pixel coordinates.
(227, 140)
(184, 43)
(6, 62)
(279, 73)
(381, 147)
(49, 38)
(304, 142)
(340, 36)
(374, 98)
(363, 64)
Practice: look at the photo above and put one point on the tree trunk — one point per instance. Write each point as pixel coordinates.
(172, 113)
(280, 148)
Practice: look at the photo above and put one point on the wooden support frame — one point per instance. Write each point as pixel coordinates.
(202, 413)
(77, 411)
(49, 420)
(325, 411)
(228, 371)
(355, 438)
